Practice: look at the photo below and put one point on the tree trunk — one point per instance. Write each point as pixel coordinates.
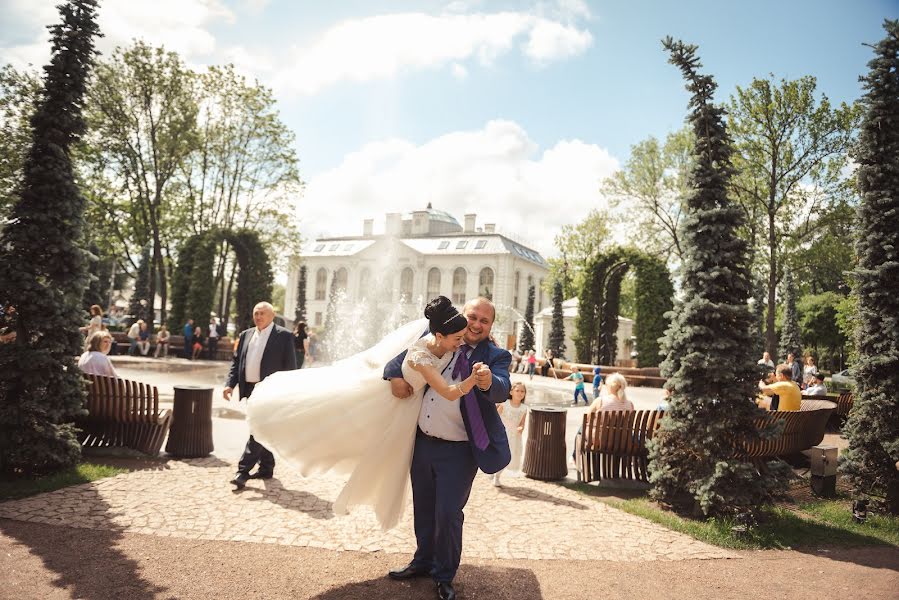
(227, 310)
(770, 332)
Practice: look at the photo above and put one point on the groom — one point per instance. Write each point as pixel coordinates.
(453, 440)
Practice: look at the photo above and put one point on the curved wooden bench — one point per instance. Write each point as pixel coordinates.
(123, 413)
(802, 429)
(612, 444)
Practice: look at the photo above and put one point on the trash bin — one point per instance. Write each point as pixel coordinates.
(191, 432)
(544, 455)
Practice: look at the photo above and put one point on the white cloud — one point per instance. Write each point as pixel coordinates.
(459, 71)
(179, 25)
(497, 172)
(385, 46)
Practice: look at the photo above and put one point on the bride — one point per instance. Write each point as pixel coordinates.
(344, 419)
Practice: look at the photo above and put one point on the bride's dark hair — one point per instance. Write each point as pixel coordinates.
(443, 317)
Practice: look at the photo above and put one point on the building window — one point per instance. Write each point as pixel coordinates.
(340, 278)
(321, 284)
(485, 283)
(461, 244)
(319, 248)
(364, 281)
(347, 247)
(515, 290)
(443, 245)
(459, 282)
(480, 245)
(406, 278)
(540, 296)
(433, 283)
(333, 247)
(318, 319)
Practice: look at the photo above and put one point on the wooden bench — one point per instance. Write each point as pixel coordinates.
(123, 413)
(176, 346)
(612, 444)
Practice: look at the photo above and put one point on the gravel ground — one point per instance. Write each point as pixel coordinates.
(48, 562)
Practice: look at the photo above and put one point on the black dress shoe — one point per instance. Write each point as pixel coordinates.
(409, 571)
(445, 591)
(240, 480)
(262, 475)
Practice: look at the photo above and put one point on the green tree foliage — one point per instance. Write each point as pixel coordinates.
(820, 328)
(822, 261)
(100, 271)
(757, 328)
(708, 364)
(139, 304)
(649, 192)
(42, 268)
(791, 152)
(19, 93)
(654, 300)
(300, 310)
(873, 427)
(578, 244)
(557, 326)
(527, 329)
(181, 280)
(790, 335)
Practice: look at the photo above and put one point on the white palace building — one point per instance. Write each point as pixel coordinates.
(419, 256)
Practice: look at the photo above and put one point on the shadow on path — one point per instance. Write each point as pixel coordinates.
(87, 563)
(496, 583)
(531, 494)
(298, 500)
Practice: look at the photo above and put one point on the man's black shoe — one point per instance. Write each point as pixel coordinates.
(445, 591)
(409, 571)
(240, 481)
(262, 475)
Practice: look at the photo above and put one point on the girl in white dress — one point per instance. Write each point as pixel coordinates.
(357, 427)
(513, 413)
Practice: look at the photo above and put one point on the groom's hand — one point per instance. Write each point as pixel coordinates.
(400, 388)
(483, 377)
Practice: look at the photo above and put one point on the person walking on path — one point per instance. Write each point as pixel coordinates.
(597, 382)
(532, 363)
(454, 440)
(578, 378)
(261, 351)
(513, 412)
(300, 342)
(188, 339)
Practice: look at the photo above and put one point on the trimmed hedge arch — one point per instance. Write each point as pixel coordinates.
(596, 336)
(193, 283)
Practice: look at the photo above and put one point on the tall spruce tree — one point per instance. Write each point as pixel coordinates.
(300, 312)
(790, 337)
(708, 365)
(873, 427)
(557, 326)
(527, 328)
(139, 304)
(42, 267)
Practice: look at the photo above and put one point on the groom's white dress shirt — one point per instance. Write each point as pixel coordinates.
(255, 349)
(442, 418)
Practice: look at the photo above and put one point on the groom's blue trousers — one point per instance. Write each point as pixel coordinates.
(442, 474)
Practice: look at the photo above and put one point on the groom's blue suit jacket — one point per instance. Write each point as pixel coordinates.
(496, 455)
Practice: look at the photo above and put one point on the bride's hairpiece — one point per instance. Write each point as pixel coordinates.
(443, 317)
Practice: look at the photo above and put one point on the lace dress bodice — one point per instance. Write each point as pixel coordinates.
(419, 354)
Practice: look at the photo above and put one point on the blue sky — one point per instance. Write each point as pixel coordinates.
(513, 110)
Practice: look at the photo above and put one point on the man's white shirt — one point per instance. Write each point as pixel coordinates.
(442, 418)
(255, 349)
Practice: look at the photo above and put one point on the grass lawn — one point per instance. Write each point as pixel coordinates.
(817, 522)
(81, 473)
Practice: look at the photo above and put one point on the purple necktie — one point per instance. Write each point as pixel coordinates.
(461, 371)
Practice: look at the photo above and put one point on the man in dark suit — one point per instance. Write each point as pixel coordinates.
(261, 351)
(453, 440)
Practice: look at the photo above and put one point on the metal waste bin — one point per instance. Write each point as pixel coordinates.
(544, 455)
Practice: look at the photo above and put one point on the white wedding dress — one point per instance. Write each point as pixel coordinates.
(344, 419)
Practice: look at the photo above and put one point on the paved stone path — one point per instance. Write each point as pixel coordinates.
(525, 519)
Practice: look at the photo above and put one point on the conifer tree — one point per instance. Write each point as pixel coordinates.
(790, 338)
(873, 426)
(300, 313)
(42, 268)
(139, 304)
(557, 326)
(708, 364)
(527, 329)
